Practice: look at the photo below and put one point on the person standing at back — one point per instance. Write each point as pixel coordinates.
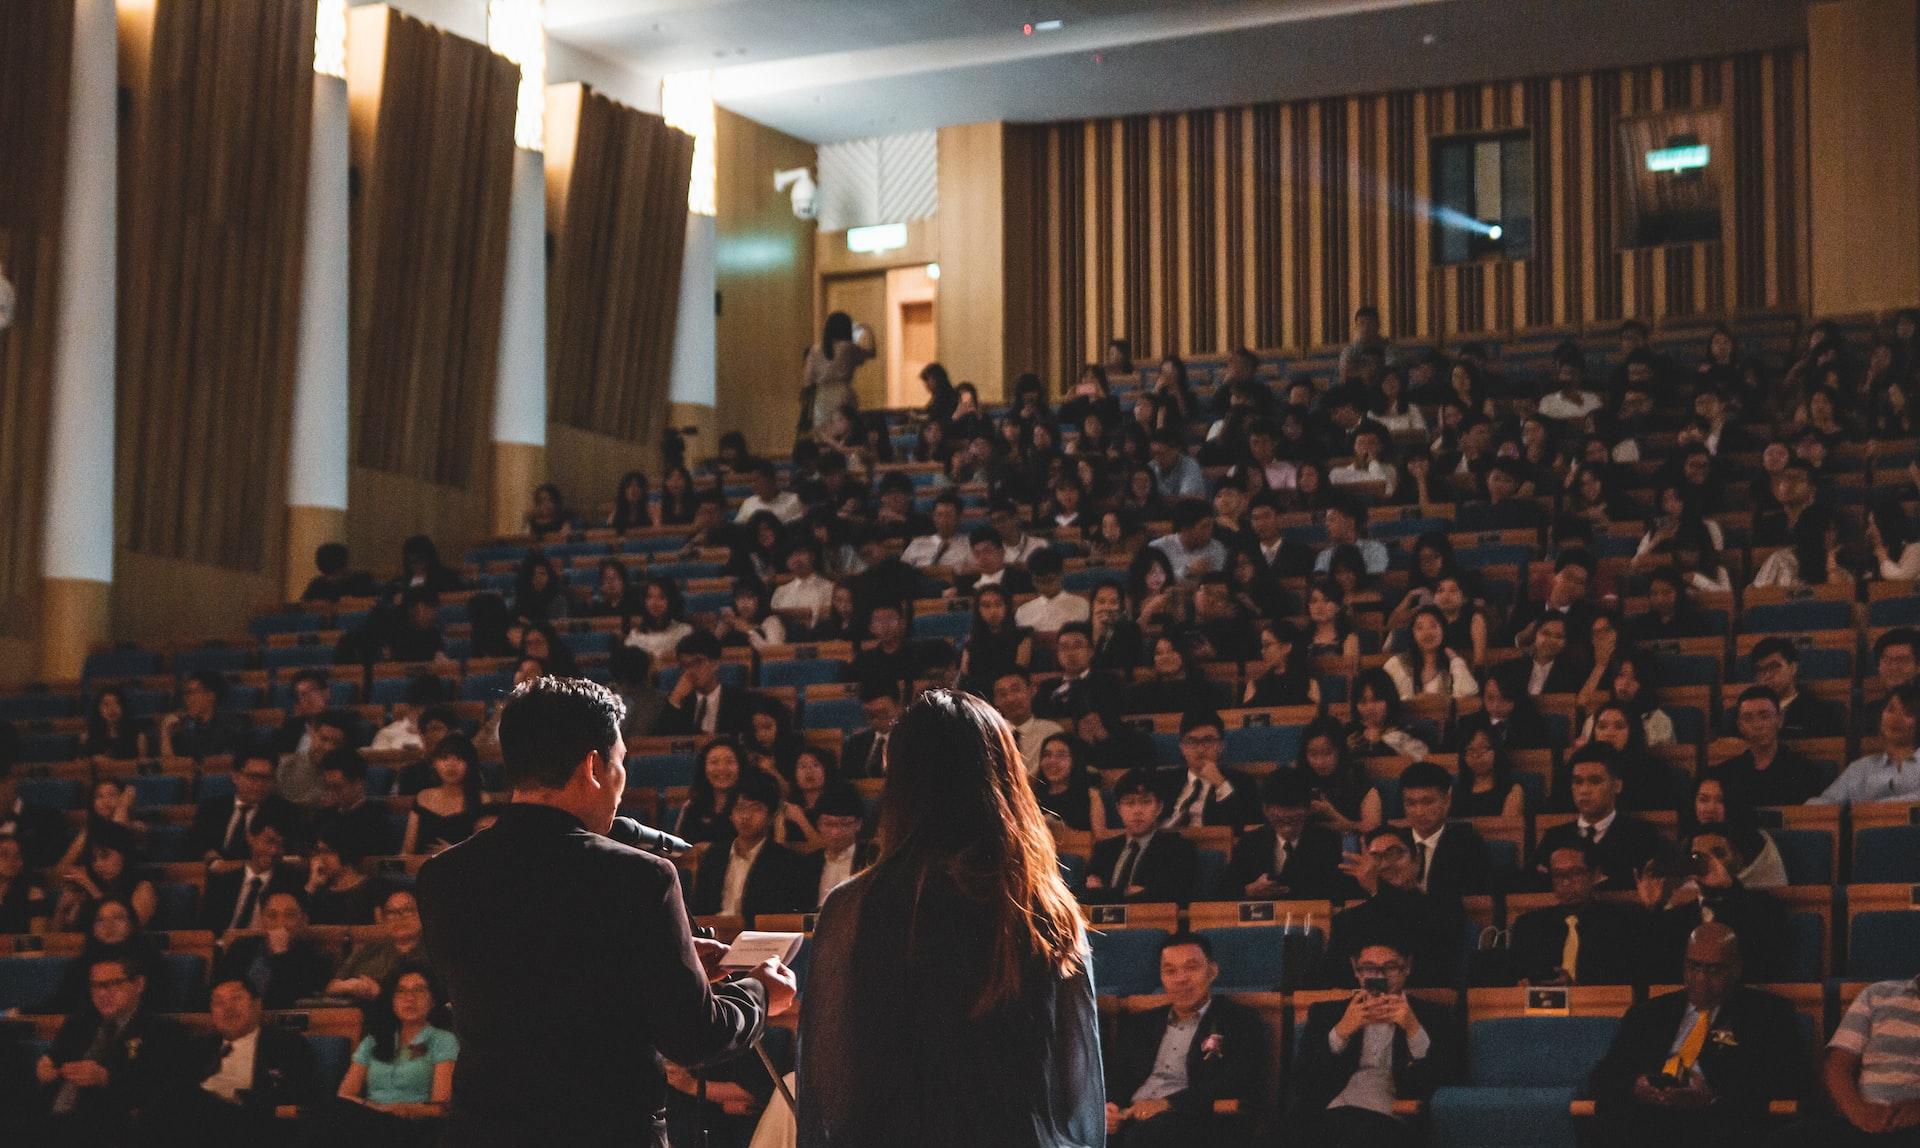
(568, 957)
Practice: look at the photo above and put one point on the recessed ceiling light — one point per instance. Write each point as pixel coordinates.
(1429, 39)
(1049, 25)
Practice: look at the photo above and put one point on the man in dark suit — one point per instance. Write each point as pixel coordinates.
(1578, 939)
(749, 873)
(890, 655)
(1290, 857)
(573, 1059)
(221, 824)
(1167, 1067)
(1424, 926)
(238, 899)
(42, 832)
(1357, 1056)
(990, 567)
(1207, 793)
(280, 965)
(699, 704)
(1274, 557)
(1776, 665)
(865, 754)
(1768, 773)
(237, 1075)
(1080, 688)
(344, 813)
(1145, 863)
(1623, 843)
(1699, 1066)
(841, 817)
(199, 729)
(1706, 888)
(110, 1064)
(1449, 857)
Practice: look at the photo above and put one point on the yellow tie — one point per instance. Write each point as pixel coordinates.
(1680, 1063)
(1570, 951)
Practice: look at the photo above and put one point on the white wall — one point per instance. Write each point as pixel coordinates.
(695, 336)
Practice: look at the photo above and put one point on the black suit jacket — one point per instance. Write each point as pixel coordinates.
(1312, 871)
(736, 714)
(1165, 871)
(1789, 779)
(1099, 692)
(1239, 808)
(42, 832)
(1612, 944)
(284, 1070)
(1319, 1073)
(1428, 928)
(1292, 560)
(777, 882)
(548, 1058)
(853, 757)
(1809, 716)
(1629, 844)
(1760, 920)
(1460, 865)
(1236, 1071)
(221, 898)
(1761, 1059)
(302, 971)
(207, 834)
(1120, 648)
(143, 1062)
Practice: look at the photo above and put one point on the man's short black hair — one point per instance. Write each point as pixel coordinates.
(1136, 782)
(1286, 789)
(348, 761)
(1900, 636)
(331, 558)
(1589, 854)
(840, 799)
(549, 725)
(986, 534)
(1045, 562)
(1757, 694)
(444, 714)
(340, 837)
(425, 690)
(1768, 647)
(1084, 629)
(1183, 937)
(755, 785)
(699, 644)
(1425, 775)
(949, 498)
(1200, 719)
(873, 689)
(317, 677)
(1189, 513)
(1367, 311)
(212, 681)
(765, 469)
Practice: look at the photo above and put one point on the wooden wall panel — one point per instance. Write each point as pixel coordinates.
(215, 204)
(35, 54)
(1195, 232)
(613, 285)
(432, 142)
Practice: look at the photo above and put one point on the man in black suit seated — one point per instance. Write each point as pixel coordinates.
(699, 704)
(1776, 665)
(345, 814)
(748, 873)
(890, 655)
(1426, 927)
(218, 834)
(1449, 857)
(1578, 939)
(198, 729)
(1768, 773)
(1622, 842)
(1290, 857)
(237, 899)
(1081, 688)
(1146, 862)
(1209, 794)
(237, 1075)
(1167, 1067)
(1699, 1066)
(1699, 885)
(42, 832)
(1566, 599)
(570, 954)
(1274, 557)
(990, 567)
(281, 965)
(1357, 1056)
(865, 754)
(110, 1063)
(841, 817)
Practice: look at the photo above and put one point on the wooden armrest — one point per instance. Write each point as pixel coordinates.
(1580, 1108)
(286, 1112)
(1409, 1107)
(1774, 1108)
(1226, 1108)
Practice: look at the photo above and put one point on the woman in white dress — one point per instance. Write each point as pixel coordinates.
(830, 365)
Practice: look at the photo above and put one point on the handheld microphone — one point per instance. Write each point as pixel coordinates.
(627, 831)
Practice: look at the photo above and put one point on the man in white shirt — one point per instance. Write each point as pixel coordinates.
(1346, 1094)
(1572, 401)
(767, 495)
(244, 1071)
(1192, 549)
(1051, 607)
(1367, 465)
(946, 546)
(1343, 529)
(1020, 546)
(751, 874)
(801, 601)
(1263, 440)
(839, 816)
(1013, 697)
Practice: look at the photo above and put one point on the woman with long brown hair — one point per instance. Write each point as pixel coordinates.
(949, 999)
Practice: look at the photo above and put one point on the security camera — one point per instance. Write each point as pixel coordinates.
(805, 192)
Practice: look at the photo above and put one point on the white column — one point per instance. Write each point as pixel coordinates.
(520, 392)
(695, 330)
(77, 543)
(317, 460)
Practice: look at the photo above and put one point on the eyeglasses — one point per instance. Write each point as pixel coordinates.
(1388, 852)
(116, 982)
(401, 910)
(1381, 970)
(252, 775)
(1200, 739)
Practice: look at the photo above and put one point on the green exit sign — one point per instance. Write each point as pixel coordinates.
(1686, 158)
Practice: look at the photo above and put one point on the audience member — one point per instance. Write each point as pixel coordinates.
(1013, 697)
(1776, 665)
(198, 729)
(1682, 895)
(445, 814)
(237, 898)
(109, 871)
(1209, 793)
(344, 815)
(1767, 772)
(1579, 939)
(1145, 862)
(1622, 844)
(338, 891)
(700, 704)
(109, 1064)
(1423, 926)
(237, 1076)
(400, 1080)
(1893, 774)
(840, 816)
(1343, 799)
(1450, 858)
(373, 964)
(1067, 788)
(1052, 605)
(748, 873)
(1290, 857)
(281, 965)
(1871, 1074)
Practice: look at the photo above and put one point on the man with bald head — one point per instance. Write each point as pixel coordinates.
(1699, 1066)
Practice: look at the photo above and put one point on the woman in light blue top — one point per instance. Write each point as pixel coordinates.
(401, 1078)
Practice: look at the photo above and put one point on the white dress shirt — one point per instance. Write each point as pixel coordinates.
(955, 553)
(236, 1067)
(734, 887)
(1047, 615)
(812, 593)
(836, 867)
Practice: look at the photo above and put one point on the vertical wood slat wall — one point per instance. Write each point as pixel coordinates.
(1195, 232)
(613, 287)
(215, 202)
(433, 157)
(35, 55)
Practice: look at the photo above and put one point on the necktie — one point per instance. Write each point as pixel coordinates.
(1586, 833)
(237, 828)
(700, 714)
(1123, 876)
(877, 756)
(1420, 859)
(1279, 856)
(1680, 1063)
(1570, 949)
(226, 1050)
(1197, 796)
(243, 916)
(68, 1098)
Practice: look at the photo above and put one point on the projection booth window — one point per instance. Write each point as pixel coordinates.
(1482, 197)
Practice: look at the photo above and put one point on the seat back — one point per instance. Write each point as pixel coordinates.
(1505, 1052)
